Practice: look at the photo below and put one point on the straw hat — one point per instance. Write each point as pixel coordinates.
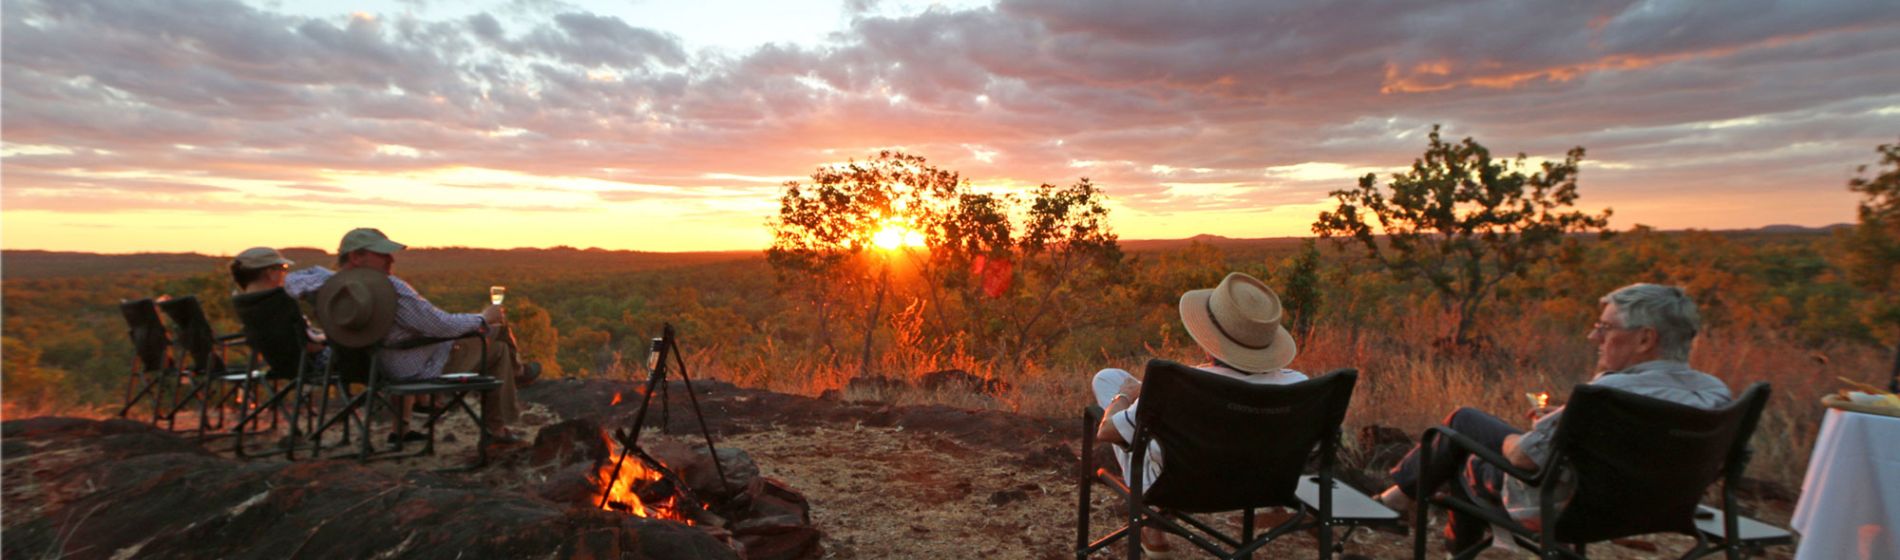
(1238, 322)
(357, 307)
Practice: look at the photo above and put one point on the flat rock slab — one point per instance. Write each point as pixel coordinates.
(731, 410)
(121, 489)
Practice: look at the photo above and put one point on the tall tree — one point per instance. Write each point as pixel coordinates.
(1462, 220)
(1067, 251)
(1872, 259)
(824, 226)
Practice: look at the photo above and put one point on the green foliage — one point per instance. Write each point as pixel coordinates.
(27, 383)
(1872, 258)
(535, 336)
(1462, 221)
(1301, 289)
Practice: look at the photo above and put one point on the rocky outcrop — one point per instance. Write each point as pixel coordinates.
(121, 489)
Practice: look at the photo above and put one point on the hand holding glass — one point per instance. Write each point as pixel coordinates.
(496, 294)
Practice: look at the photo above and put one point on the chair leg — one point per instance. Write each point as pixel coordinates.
(1084, 478)
(1247, 526)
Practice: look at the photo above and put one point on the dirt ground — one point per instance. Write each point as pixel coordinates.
(880, 488)
(889, 493)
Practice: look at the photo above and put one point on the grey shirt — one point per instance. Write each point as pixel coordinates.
(1668, 380)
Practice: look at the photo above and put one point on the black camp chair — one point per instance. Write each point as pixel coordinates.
(205, 367)
(153, 371)
(358, 366)
(1230, 445)
(275, 329)
(1640, 465)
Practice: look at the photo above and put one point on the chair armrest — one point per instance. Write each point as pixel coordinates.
(425, 341)
(1483, 453)
(1091, 417)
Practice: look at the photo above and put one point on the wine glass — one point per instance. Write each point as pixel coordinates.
(496, 294)
(653, 353)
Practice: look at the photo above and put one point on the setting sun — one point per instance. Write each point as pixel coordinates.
(894, 236)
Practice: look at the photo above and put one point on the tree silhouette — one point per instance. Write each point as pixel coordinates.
(1872, 259)
(822, 226)
(997, 270)
(1462, 221)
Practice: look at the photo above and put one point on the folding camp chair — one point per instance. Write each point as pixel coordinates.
(275, 329)
(205, 367)
(153, 370)
(1640, 465)
(358, 365)
(1228, 445)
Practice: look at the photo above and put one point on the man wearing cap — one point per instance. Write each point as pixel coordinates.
(1237, 324)
(415, 317)
(262, 269)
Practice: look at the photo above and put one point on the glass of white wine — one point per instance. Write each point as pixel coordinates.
(496, 294)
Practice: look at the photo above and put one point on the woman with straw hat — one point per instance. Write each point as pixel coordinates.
(1238, 325)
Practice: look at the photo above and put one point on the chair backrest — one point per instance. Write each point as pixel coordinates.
(1228, 444)
(1641, 463)
(192, 331)
(149, 340)
(273, 326)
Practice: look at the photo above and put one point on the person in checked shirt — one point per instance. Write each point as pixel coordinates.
(417, 318)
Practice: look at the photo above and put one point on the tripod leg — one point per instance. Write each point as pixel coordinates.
(703, 429)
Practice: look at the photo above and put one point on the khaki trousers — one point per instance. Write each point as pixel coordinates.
(498, 406)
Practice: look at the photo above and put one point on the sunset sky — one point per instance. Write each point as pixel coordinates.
(213, 125)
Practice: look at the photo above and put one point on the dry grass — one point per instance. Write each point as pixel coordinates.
(1405, 381)
(11, 410)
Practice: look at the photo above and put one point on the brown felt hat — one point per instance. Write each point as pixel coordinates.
(1238, 322)
(357, 307)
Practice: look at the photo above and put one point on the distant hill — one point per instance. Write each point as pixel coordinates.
(1788, 228)
(1145, 245)
(31, 264)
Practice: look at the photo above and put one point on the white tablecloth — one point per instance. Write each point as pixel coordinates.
(1850, 500)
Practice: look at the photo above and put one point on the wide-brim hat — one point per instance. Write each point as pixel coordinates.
(1238, 322)
(357, 307)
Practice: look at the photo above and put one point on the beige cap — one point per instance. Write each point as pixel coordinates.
(261, 257)
(368, 238)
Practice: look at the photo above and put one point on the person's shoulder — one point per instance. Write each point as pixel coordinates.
(403, 288)
(1289, 376)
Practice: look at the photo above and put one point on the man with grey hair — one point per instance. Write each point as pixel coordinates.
(1643, 337)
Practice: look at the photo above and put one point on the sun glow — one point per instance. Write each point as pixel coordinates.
(894, 236)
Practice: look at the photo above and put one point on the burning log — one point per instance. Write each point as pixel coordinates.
(645, 488)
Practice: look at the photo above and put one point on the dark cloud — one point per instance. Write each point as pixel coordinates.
(1192, 92)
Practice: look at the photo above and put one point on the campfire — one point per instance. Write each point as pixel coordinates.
(643, 486)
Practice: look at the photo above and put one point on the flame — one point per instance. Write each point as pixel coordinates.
(622, 491)
(616, 400)
(1543, 399)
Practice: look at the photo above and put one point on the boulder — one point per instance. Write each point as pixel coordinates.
(124, 489)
